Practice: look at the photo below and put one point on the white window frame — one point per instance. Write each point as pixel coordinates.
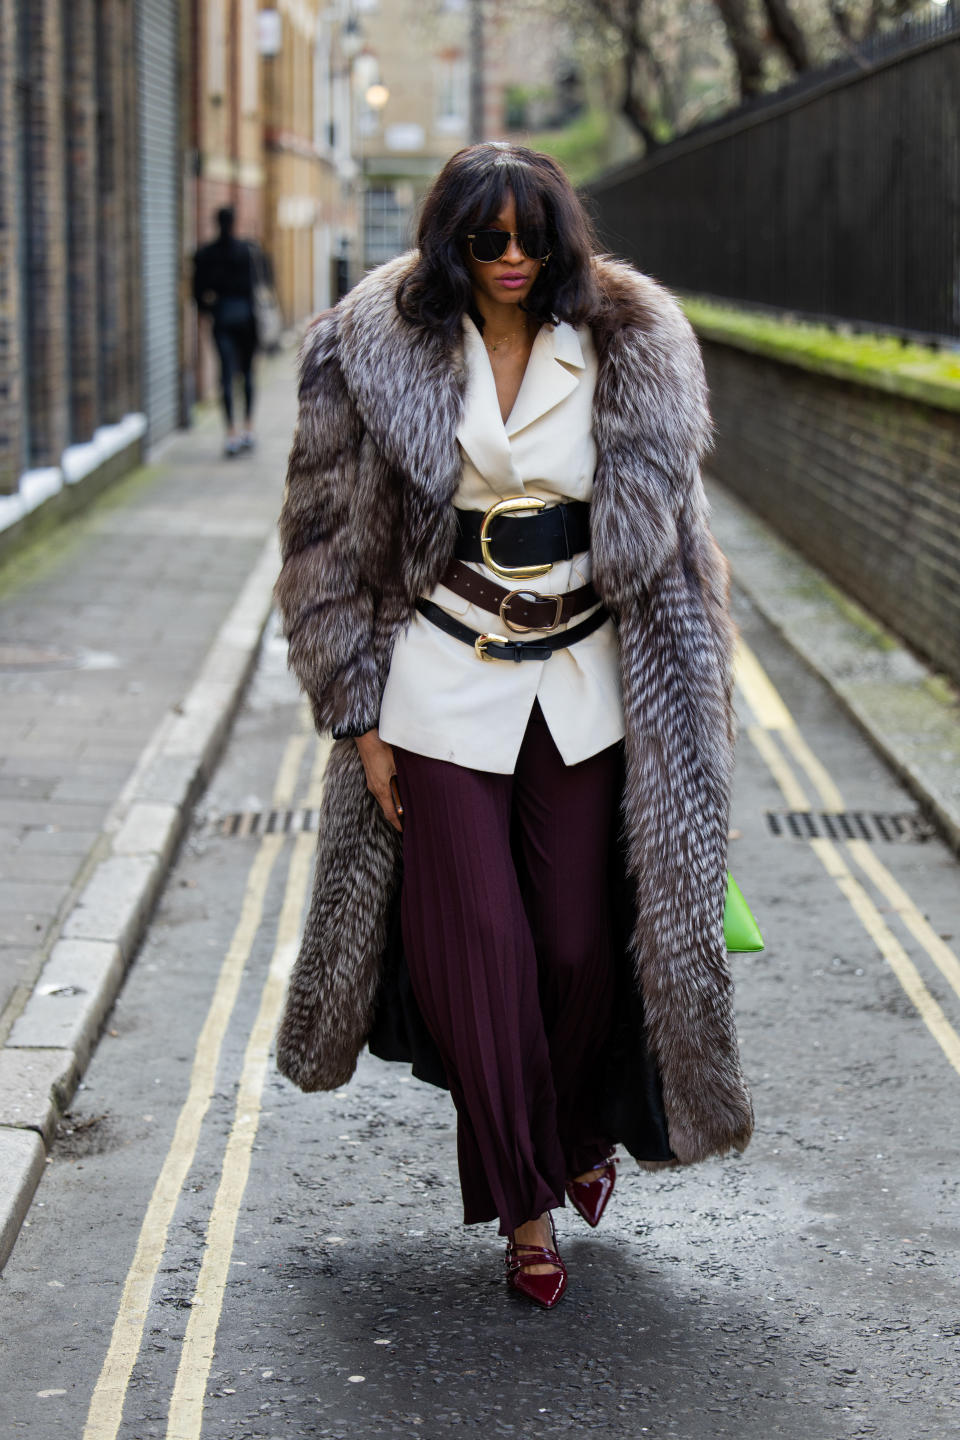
(451, 95)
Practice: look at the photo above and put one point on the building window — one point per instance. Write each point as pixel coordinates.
(452, 80)
(216, 48)
(322, 95)
(388, 221)
(342, 131)
(249, 59)
(406, 135)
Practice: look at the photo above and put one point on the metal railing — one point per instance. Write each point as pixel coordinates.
(837, 199)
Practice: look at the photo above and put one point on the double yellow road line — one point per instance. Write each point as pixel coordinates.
(186, 1409)
(780, 744)
(773, 732)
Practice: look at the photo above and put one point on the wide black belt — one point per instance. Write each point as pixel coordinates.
(509, 542)
(497, 647)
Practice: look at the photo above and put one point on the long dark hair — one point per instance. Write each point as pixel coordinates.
(470, 191)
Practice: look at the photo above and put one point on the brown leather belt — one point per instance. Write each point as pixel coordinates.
(518, 609)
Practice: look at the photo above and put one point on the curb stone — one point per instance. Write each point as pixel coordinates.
(23, 1158)
(909, 714)
(34, 1085)
(53, 1038)
(71, 999)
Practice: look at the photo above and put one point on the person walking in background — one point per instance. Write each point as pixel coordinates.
(223, 286)
(521, 868)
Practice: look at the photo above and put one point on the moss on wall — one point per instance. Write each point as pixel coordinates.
(914, 371)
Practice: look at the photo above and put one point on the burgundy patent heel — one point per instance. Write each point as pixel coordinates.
(543, 1290)
(590, 1197)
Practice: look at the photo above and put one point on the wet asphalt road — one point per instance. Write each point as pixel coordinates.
(807, 1289)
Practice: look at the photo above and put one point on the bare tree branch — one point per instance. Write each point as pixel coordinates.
(746, 46)
(635, 105)
(788, 34)
(676, 59)
(872, 22)
(844, 28)
(841, 22)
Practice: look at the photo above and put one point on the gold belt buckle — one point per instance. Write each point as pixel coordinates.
(482, 641)
(529, 595)
(513, 505)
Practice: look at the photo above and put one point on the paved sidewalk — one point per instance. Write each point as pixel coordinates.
(126, 638)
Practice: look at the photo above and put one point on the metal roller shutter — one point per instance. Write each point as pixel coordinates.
(158, 45)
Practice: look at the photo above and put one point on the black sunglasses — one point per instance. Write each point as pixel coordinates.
(489, 245)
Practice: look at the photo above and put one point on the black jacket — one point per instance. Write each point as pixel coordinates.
(223, 271)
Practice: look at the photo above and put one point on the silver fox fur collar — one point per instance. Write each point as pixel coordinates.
(368, 524)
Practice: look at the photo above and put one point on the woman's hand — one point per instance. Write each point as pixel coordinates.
(377, 757)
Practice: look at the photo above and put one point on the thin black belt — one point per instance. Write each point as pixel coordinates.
(497, 647)
(557, 532)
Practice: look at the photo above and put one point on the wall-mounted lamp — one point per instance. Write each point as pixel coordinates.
(377, 96)
(269, 33)
(351, 38)
(366, 71)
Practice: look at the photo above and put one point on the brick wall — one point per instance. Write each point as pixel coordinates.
(80, 116)
(70, 299)
(226, 133)
(865, 484)
(247, 202)
(45, 301)
(131, 395)
(118, 271)
(11, 403)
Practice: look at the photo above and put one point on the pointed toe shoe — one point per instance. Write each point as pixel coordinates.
(590, 1197)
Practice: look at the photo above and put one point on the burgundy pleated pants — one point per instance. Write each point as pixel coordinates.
(507, 939)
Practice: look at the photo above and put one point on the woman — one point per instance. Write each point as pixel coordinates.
(499, 416)
(223, 289)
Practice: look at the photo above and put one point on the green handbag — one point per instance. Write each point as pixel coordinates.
(739, 927)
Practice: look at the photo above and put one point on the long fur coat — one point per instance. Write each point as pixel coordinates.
(368, 525)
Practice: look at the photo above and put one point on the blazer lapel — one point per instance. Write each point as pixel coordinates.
(553, 372)
(481, 431)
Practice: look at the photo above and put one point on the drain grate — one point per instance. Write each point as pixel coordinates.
(268, 822)
(901, 828)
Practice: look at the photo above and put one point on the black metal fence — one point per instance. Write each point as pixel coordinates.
(836, 199)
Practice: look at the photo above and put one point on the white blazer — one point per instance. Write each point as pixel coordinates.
(440, 698)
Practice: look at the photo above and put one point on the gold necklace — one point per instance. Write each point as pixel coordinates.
(506, 339)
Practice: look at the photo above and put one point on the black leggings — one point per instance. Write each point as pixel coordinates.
(235, 346)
